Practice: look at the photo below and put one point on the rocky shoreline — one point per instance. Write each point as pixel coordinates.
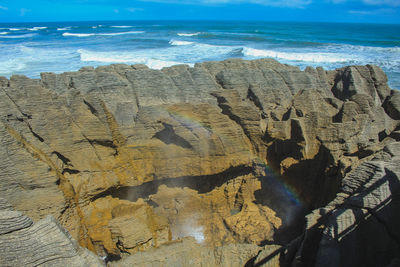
(231, 163)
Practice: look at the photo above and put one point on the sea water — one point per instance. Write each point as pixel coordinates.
(32, 48)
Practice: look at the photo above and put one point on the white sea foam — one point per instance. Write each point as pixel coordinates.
(363, 49)
(18, 36)
(121, 33)
(64, 29)
(188, 34)
(158, 64)
(177, 42)
(106, 57)
(121, 27)
(16, 29)
(11, 66)
(100, 34)
(296, 56)
(2, 33)
(78, 34)
(37, 28)
(31, 60)
(125, 57)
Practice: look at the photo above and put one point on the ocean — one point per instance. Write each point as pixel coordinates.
(32, 48)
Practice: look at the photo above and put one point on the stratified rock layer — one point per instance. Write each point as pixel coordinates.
(128, 158)
(44, 243)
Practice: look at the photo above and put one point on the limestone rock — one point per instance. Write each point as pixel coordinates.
(45, 243)
(268, 256)
(392, 105)
(187, 252)
(11, 221)
(217, 151)
(361, 80)
(359, 227)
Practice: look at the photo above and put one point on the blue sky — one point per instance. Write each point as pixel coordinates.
(368, 11)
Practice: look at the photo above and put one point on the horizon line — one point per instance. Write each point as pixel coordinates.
(202, 20)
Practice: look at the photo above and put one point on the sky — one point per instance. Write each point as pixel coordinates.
(359, 11)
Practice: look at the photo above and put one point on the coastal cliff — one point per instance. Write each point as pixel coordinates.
(218, 164)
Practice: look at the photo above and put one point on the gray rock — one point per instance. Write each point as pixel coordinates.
(360, 226)
(392, 105)
(11, 221)
(45, 243)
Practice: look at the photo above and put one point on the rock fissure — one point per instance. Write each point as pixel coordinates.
(202, 184)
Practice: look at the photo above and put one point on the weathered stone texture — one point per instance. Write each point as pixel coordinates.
(128, 158)
(45, 243)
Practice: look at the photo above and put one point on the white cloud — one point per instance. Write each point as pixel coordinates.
(360, 12)
(134, 9)
(275, 3)
(23, 11)
(337, 1)
(379, 11)
(382, 2)
(394, 3)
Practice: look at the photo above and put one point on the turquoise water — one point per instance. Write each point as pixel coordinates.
(32, 48)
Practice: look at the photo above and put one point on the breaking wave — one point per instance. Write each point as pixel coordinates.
(18, 36)
(100, 34)
(188, 34)
(175, 42)
(37, 28)
(121, 27)
(307, 57)
(125, 57)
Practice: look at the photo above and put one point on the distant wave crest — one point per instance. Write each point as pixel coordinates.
(121, 27)
(64, 29)
(18, 36)
(100, 34)
(177, 42)
(188, 34)
(307, 57)
(37, 28)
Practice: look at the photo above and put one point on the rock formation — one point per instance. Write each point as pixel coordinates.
(133, 161)
(45, 243)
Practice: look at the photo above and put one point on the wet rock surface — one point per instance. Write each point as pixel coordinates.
(232, 154)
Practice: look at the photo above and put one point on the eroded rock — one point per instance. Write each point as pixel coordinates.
(45, 243)
(129, 159)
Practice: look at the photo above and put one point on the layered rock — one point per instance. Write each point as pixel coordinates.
(45, 243)
(128, 158)
(357, 228)
(187, 252)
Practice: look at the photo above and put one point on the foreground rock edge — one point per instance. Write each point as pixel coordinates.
(44, 243)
